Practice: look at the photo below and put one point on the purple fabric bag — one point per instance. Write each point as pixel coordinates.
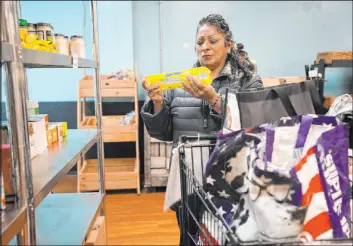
(332, 157)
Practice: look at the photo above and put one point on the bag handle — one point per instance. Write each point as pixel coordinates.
(281, 93)
(315, 96)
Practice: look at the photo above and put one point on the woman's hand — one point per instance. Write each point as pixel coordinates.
(199, 90)
(154, 93)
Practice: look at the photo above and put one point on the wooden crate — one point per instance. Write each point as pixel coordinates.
(289, 80)
(274, 81)
(109, 87)
(157, 161)
(270, 81)
(120, 173)
(112, 130)
(334, 55)
(98, 234)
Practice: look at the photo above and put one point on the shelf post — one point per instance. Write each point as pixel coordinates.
(98, 100)
(18, 8)
(17, 118)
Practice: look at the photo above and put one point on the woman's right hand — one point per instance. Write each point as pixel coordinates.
(154, 93)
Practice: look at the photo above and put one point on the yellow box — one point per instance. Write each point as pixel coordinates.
(172, 80)
(62, 128)
(52, 135)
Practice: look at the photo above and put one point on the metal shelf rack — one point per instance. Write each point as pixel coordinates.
(328, 60)
(38, 218)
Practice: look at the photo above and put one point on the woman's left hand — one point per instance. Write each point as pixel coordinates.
(199, 90)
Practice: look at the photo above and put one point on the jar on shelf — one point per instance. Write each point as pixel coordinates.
(62, 44)
(31, 32)
(45, 31)
(77, 46)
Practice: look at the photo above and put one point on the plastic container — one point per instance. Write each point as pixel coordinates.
(23, 29)
(32, 108)
(77, 46)
(172, 80)
(45, 31)
(62, 44)
(31, 33)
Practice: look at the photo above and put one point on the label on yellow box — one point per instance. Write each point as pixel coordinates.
(62, 128)
(172, 80)
(52, 135)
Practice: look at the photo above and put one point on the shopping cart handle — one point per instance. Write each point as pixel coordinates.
(199, 137)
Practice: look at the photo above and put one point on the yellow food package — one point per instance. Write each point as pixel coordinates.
(172, 80)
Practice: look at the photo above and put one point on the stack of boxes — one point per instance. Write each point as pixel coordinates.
(42, 134)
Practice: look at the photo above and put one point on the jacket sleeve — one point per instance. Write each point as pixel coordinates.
(159, 125)
(254, 82)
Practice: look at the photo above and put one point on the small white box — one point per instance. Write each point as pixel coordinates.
(40, 133)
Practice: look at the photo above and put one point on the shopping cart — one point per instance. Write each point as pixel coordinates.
(198, 215)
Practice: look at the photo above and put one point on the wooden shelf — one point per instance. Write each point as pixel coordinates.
(110, 88)
(328, 57)
(112, 130)
(120, 173)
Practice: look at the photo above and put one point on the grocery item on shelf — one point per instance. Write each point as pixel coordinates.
(45, 117)
(37, 36)
(31, 33)
(62, 44)
(77, 46)
(52, 135)
(32, 141)
(32, 108)
(62, 129)
(172, 80)
(6, 164)
(45, 31)
(23, 29)
(128, 119)
(4, 133)
(3, 199)
(123, 74)
(39, 134)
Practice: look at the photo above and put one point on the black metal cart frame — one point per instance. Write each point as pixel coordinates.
(195, 203)
(321, 66)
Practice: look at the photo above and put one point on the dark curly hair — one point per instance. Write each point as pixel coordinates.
(235, 55)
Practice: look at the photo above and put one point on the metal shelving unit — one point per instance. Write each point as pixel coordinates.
(320, 66)
(37, 217)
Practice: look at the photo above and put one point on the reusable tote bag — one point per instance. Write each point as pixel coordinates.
(266, 105)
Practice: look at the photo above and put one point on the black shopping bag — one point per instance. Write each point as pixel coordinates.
(270, 104)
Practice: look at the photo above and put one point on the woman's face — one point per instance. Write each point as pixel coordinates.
(211, 49)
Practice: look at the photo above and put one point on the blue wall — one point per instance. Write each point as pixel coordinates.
(281, 36)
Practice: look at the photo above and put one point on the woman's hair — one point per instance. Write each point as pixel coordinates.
(235, 55)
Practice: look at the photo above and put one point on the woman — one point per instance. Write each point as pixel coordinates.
(197, 108)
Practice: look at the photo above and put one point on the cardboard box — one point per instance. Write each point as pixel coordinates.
(32, 141)
(52, 135)
(6, 169)
(45, 116)
(4, 133)
(40, 133)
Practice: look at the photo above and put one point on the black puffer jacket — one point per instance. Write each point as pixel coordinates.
(183, 114)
